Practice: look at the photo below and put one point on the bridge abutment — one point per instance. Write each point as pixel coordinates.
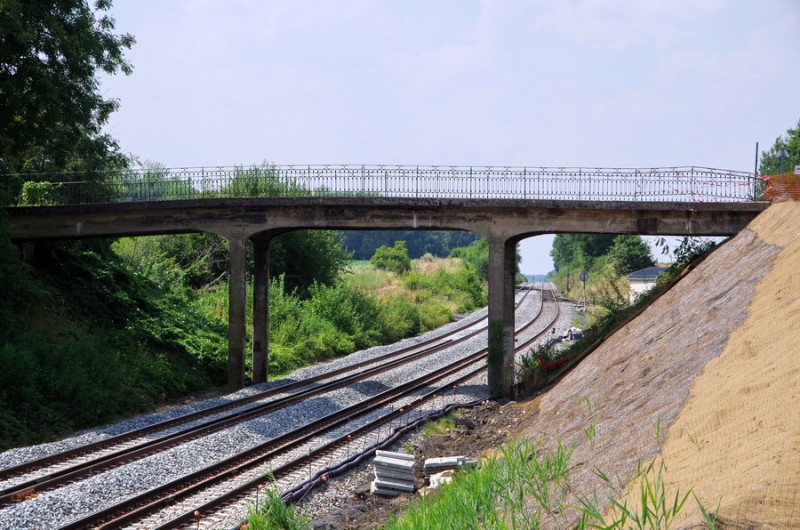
(500, 361)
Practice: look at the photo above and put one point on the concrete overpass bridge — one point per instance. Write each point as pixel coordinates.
(505, 205)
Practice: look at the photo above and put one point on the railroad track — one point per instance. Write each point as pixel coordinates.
(127, 451)
(117, 515)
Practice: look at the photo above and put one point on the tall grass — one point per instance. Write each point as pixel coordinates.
(80, 327)
(271, 513)
(496, 496)
(524, 488)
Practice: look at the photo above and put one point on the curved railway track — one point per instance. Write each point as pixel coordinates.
(356, 419)
(127, 452)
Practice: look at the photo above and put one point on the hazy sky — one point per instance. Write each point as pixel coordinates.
(609, 83)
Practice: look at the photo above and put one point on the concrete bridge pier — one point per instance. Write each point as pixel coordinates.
(237, 292)
(502, 269)
(260, 307)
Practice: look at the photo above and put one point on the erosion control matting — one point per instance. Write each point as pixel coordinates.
(707, 378)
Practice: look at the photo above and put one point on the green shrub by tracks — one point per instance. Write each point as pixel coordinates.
(270, 513)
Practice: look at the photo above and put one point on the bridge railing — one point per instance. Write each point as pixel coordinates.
(685, 184)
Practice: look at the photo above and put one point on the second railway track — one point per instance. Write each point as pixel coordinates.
(173, 492)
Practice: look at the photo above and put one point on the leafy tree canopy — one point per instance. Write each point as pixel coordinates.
(302, 258)
(306, 257)
(771, 163)
(476, 257)
(51, 109)
(578, 251)
(629, 254)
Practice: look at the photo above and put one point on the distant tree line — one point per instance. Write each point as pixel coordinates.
(362, 244)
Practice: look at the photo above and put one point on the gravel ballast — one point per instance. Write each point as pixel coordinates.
(54, 508)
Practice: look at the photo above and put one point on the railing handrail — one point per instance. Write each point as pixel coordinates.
(674, 183)
(407, 167)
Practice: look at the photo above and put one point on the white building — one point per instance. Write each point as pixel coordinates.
(643, 280)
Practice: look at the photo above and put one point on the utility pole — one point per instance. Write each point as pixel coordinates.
(782, 155)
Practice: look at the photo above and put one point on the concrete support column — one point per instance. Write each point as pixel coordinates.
(260, 309)
(502, 268)
(28, 252)
(237, 293)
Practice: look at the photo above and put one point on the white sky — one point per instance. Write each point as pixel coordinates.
(609, 83)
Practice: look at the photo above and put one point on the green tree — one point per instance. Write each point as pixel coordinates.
(476, 257)
(306, 257)
(393, 259)
(51, 108)
(578, 251)
(771, 163)
(302, 258)
(629, 254)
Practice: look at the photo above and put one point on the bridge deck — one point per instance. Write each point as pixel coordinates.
(506, 217)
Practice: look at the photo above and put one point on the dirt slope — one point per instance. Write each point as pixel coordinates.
(708, 378)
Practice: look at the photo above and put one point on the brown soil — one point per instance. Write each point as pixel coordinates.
(480, 430)
(707, 378)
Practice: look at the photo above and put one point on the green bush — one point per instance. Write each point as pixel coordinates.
(476, 257)
(39, 193)
(400, 318)
(463, 287)
(271, 513)
(394, 259)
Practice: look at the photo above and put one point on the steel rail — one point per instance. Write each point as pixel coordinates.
(136, 507)
(103, 463)
(260, 454)
(85, 449)
(20, 491)
(287, 468)
(558, 301)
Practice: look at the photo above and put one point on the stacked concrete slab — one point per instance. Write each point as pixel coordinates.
(394, 473)
(446, 463)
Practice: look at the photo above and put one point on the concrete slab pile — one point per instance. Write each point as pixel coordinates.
(394, 473)
(433, 466)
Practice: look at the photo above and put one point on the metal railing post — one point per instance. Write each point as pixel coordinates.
(524, 182)
(470, 182)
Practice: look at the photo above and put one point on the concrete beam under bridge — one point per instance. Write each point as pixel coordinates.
(502, 221)
(509, 217)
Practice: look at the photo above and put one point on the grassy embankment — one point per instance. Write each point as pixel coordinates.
(521, 486)
(83, 340)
